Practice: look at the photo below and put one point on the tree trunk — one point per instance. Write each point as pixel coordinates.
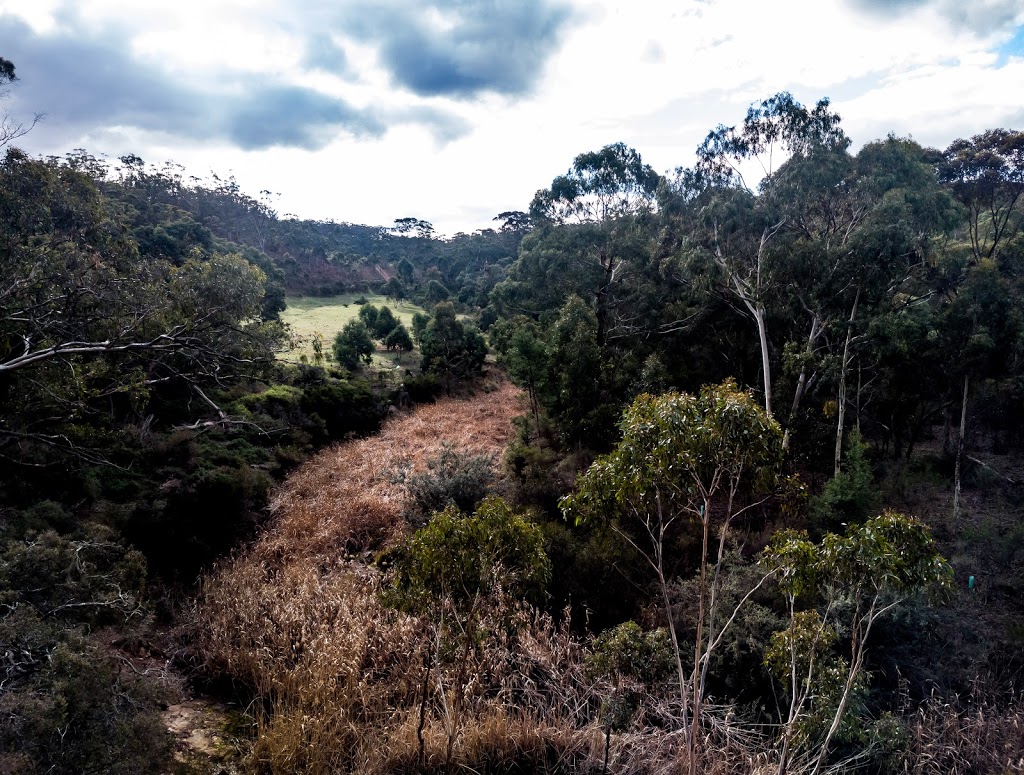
(762, 332)
(841, 408)
(659, 568)
(959, 453)
(694, 740)
(801, 383)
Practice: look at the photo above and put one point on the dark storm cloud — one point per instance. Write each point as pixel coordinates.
(984, 16)
(461, 48)
(85, 85)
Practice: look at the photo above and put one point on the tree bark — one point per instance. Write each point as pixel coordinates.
(841, 408)
(960, 453)
(762, 332)
(694, 740)
(801, 383)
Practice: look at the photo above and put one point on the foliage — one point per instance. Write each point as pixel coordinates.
(90, 578)
(805, 650)
(861, 576)
(678, 452)
(76, 297)
(463, 567)
(353, 345)
(461, 480)
(461, 557)
(450, 348)
(75, 712)
(600, 185)
(628, 651)
(398, 339)
(851, 495)
(681, 457)
(419, 325)
(777, 121)
(986, 173)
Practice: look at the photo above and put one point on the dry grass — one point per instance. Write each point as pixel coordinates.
(952, 737)
(341, 502)
(338, 678)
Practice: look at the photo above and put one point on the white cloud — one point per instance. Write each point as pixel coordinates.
(655, 75)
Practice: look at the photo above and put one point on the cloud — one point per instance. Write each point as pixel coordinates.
(292, 116)
(445, 126)
(87, 84)
(324, 54)
(461, 48)
(979, 16)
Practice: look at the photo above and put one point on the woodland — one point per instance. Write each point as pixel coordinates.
(683, 473)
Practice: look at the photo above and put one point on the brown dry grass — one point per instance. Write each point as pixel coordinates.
(341, 501)
(954, 737)
(337, 678)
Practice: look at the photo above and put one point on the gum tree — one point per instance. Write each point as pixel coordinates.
(737, 228)
(857, 578)
(684, 463)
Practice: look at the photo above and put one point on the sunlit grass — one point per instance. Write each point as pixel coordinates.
(307, 315)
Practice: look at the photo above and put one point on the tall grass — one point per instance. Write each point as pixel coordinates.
(950, 736)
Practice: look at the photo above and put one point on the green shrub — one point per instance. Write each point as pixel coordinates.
(71, 711)
(628, 651)
(353, 345)
(89, 578)
(849, 497)
(422, 388)
(452, 479)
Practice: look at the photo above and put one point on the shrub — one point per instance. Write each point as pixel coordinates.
(849, 497)
(384, 324)
(89, 578)
(77, 714)
(422, 388)
(628, 651)
(452, 479)
(398, 339)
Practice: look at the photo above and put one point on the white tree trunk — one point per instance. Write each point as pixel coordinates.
(841, 408)
(959, 454)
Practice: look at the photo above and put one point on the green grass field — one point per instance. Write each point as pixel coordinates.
(306, 315)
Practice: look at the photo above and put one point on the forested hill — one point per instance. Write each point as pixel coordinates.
(172, 213)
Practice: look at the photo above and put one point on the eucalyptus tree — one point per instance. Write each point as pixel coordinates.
(854, 580)
(10, 128)
(894, 271)
(857, 230)
(598, 213)
(733, 225)
(684, 461)
(986, 174)
(87, 323)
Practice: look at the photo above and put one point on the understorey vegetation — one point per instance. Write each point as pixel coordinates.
(681, 473)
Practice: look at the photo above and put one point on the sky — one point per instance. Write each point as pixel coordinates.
(365, 111)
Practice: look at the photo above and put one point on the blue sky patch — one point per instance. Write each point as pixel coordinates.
(1014, 47)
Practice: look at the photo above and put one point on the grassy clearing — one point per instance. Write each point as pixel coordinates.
(328, 314)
